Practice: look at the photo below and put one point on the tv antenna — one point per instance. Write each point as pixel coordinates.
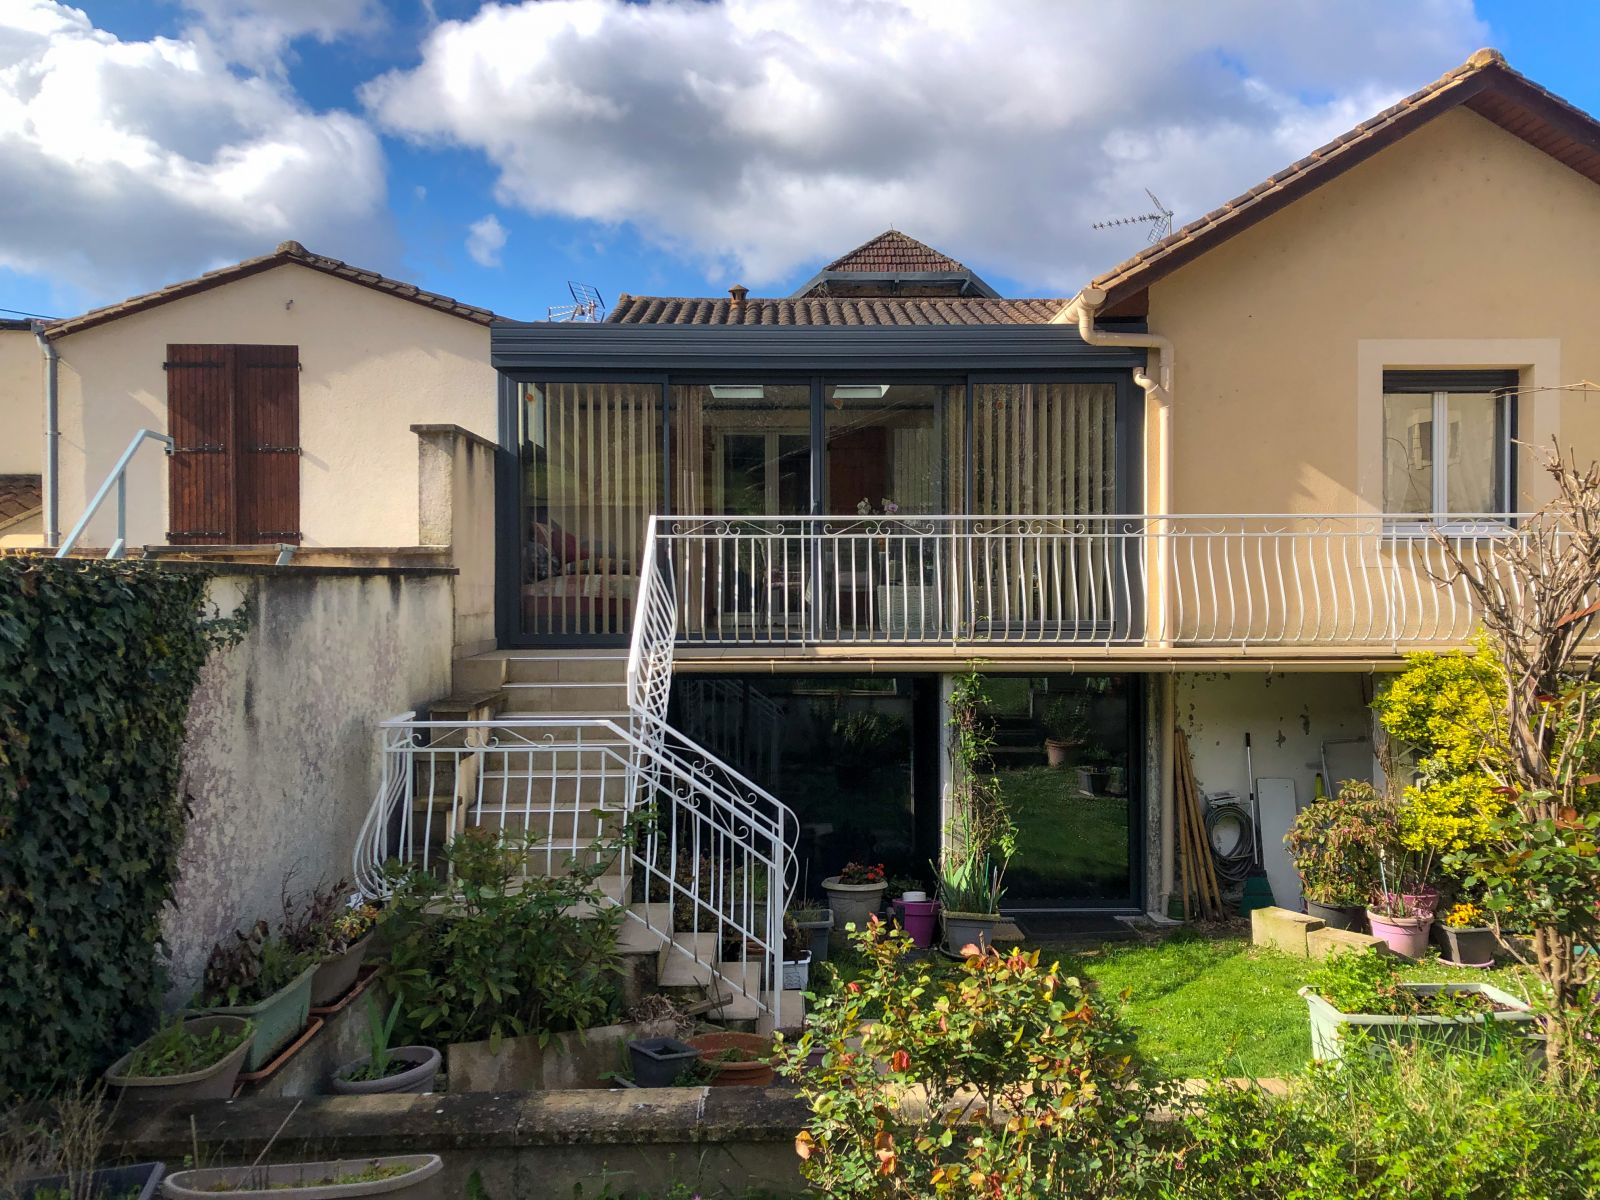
(586, 305)
(1160, 221)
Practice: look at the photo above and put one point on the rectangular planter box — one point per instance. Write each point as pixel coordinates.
(1329, 1025)
(279, 1019)
(139, 1181)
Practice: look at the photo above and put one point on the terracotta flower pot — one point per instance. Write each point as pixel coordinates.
(754, 1072)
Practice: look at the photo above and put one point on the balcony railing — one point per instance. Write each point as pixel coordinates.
(1201, 581)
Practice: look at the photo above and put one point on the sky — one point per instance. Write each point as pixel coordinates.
(495, 151)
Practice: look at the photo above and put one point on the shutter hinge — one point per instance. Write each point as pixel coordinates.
(279, 534)
(269, 448)
(202, 448)
(270, 365)
(195, 533)
(172, 366)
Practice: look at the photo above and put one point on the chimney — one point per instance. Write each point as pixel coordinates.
(737, 293)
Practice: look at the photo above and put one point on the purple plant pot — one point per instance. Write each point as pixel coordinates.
(1407, 936)
(920, 920)
(1424, 903)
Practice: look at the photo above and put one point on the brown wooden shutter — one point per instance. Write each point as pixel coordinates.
(268, 404)
(234, 416)
(200, 473)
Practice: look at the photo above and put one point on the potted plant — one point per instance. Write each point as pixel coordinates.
(1362, 990)
(1399, 926)
(410, 1069)
(659, 1061)
(917, 915)
(1094, 776)
(735, 1059)
(1335, 844)
(258, 977)
(197, 1059)
(136, 1181)
(333, 928)
(855, 894)
(1468, 942)
(305, 1181)
(815, 920)
(980, 837)
(969, 898)
(796, 957)
(1065, 720)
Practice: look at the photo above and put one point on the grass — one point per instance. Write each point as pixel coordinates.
(1067, 843)
(1208, 1005)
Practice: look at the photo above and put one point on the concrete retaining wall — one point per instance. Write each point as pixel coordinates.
(281, 762)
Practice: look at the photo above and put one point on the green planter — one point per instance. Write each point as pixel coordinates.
(279, 1018)
(1329, 1026)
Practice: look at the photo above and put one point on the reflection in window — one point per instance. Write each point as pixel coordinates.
(1446, 443)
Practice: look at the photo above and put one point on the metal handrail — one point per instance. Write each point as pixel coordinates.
(119, 479)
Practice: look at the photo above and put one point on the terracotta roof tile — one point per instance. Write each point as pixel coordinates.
(893, 252)
(20, 496)
(953, 310)
(1483, 83)
(287, 252)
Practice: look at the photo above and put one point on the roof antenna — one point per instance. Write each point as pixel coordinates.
(1160, 221)
(586, 305)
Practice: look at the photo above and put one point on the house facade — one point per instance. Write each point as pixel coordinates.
(772, 534)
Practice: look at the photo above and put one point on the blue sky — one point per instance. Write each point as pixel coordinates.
(675, 148)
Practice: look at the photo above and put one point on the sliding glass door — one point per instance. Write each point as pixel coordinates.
(591, 478)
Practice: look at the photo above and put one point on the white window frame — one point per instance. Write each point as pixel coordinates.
(1441, 519)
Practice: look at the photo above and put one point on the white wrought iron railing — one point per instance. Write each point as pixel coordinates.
(1187, 580)
(683, 856)
(705, 858)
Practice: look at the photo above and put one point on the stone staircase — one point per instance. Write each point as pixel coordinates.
(569, 806)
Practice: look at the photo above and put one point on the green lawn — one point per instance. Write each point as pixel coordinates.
(1208, 1005)
(1067, 843)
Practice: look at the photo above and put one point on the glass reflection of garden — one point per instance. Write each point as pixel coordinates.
(836, 751)
(1062, 754)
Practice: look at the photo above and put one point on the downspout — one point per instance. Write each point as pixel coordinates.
(1081, 310)
(52, 438)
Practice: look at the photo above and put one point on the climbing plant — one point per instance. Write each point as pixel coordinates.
(98, 661)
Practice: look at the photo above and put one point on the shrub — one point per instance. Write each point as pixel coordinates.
(1020, 1082)
(493, 954)
(1422, 1122)
(249, 967)
(1336, 844)
(98, 661)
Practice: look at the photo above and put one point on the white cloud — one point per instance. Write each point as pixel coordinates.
(257, 33)
(486, 237)
(128, 164)
(763, 136)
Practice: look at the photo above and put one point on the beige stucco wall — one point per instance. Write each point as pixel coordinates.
(1459, 246)
(281, 763)
(455, 500)
(21, 403)
(371, 367)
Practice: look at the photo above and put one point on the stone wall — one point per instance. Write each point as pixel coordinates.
(281, 762)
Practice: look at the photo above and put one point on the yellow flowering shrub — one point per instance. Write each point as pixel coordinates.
(1447, 708)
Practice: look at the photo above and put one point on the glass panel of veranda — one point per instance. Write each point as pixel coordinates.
(591, 477)
(1045, 451)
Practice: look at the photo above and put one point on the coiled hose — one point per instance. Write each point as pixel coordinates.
(1233, 866)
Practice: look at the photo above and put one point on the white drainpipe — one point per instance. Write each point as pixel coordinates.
(52, 439)
(1080, 310)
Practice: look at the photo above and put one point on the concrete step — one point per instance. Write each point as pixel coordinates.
(566, 666)
(558, 699)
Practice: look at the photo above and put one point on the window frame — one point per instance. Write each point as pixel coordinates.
(1439, 385)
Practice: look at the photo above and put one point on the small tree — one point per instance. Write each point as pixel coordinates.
(1535, 593)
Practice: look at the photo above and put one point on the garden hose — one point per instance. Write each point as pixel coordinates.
(1233, 865)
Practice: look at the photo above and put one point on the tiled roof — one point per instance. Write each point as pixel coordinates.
(1484, 84)
(891, 253)
(287, 252)
(953, 310)
(20, 496)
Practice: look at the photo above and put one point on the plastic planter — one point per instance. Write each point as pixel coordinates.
(209, 1083)
(337, 975)
(1329, 1026)
(818, 932)
(1473, 946)
(416, 1079)
(657, 1062)
(797, 973)
(969, 929)
(1339, 916)
(138, 1181)
(755, 1072)
(920, 920)
(853, 903)
(301, 1181)
(1406, 936)
(278, 1018)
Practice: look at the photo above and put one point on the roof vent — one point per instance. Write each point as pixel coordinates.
(738, 292)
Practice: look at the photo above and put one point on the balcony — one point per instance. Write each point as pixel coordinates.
(1343, 587)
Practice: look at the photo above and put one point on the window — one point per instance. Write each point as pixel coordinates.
(1447, 443)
